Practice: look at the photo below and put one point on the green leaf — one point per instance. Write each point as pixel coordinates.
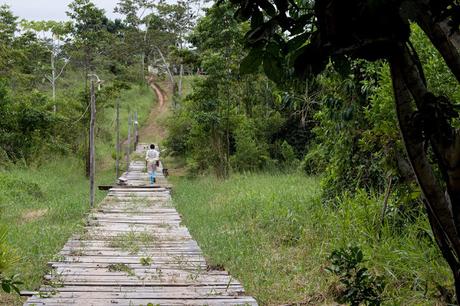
(251, 62)
(6, 287)
(297, 42)
(273, 67)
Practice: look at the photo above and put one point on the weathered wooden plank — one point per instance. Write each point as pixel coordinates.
(143, 289)
(140, 269)
(129, 302)
(158, 244)
(152, 252)
(131, 260)
(155, 265)
(176, 272)
(160, 293)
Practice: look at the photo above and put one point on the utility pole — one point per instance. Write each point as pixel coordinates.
(128, 148)
(118, 139)
(91, 144)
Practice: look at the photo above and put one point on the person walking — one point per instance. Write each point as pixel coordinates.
(152, 160)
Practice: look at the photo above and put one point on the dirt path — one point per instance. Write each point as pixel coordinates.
(153, 130)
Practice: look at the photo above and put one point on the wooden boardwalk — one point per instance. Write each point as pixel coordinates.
(135, 252)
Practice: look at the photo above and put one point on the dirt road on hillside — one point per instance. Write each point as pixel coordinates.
(153, 130)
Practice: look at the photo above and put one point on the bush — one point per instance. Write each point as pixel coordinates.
(290, 159)
(360, 286)
(251, 153)
(314, 161)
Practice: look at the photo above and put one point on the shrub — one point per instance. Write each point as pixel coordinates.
(289, 157)
(360, 286)
(251, 153)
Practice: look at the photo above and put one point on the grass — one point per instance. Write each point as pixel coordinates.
(132, 241)
(42, 206)
(138, 98)
(121, 267)
(273, 234)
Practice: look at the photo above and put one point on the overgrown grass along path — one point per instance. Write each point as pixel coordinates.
(41, 208)
(274, 235)
(43, 205)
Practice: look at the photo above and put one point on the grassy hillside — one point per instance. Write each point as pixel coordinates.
(273, 234)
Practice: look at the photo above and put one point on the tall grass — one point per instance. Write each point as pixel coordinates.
(41, 208)
(140, 99)
(272, 233)
(43, 205)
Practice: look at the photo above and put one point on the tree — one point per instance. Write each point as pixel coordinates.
(8, 27)
(89, 29)
(179, 19)
(58, 31)
(307, 35)
(136, 17)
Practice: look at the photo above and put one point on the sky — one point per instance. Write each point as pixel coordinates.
(52, 9)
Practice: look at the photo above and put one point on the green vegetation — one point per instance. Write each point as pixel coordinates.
(311, 86)
(43, 205)
(120, 267)
(327, 191)
(272, 232)
(42, 208)
(146, 261)
(132, 241)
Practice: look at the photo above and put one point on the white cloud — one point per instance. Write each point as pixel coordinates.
(53, 9)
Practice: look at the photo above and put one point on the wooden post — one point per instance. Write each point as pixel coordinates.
(136, 131)
(91, 144)
(181, 74)
(118, 139)
(128, 147)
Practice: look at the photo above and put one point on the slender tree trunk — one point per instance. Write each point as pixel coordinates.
(53, 79)
(143, 68)
(443, 138)
(171, 77)
(438, 29)
(408, 83)
(385, 204)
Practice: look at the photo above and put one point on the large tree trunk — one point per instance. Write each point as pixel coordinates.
(443, 36)
(409, 87)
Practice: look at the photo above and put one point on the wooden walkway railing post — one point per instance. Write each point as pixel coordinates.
(91, 144)
(136, 130)
(117, 165)
(128, 147)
